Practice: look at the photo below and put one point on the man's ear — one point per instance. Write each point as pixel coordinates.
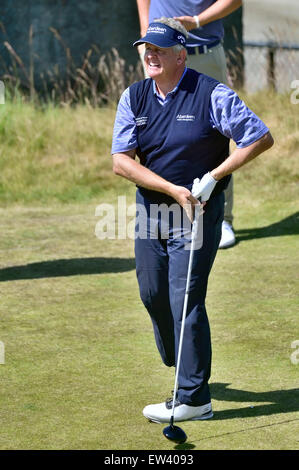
(182, 56)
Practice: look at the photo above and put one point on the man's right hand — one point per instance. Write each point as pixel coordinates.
(184, 197)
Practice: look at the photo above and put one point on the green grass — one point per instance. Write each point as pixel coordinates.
(51, 154)
(80, 359)
(54, 154)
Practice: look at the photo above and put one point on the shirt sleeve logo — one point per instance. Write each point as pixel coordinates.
(141, 120)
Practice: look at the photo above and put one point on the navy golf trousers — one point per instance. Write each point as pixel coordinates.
(161, 267)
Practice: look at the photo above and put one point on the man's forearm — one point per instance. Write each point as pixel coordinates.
(216, 11)
(219, 9)
(143, 12)
(124, 165)
(240, 157)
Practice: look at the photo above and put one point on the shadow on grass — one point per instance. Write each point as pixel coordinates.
(67, 267)
(274, 402)
(287, 226)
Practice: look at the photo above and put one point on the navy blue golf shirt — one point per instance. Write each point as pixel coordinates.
(177, 141)
(226, 113)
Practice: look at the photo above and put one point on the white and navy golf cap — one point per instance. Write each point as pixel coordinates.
(161, 35)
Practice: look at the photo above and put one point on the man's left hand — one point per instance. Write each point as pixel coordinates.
(187, 21)
(203, 188)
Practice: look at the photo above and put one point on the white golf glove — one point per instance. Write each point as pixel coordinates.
(203, 188)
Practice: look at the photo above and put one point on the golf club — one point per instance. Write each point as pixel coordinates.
(171, 432)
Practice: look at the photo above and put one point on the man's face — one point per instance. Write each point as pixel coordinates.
(161, 62)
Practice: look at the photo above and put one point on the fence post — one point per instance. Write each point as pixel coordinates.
(233, 46)
(271, 68)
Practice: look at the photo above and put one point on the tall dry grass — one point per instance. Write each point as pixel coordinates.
(63, 153)
(54, 153)
(53, 150)
(276, 171)
(98, 80)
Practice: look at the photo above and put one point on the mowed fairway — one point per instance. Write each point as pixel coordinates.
(80, 359)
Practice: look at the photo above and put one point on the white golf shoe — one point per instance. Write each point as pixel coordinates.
(227, 235)
(161, 412)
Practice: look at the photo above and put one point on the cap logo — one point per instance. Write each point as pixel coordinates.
(162, 35)
(182, 39)
(156, 29)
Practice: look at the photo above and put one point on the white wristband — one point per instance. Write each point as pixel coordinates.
(196, 21)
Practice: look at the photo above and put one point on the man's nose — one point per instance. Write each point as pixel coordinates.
(151, 53)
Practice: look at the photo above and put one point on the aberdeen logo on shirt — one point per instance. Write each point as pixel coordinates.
(185, 117)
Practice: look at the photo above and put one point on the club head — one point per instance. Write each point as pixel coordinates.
(175, 434)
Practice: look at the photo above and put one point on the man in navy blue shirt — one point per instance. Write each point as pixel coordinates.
(179, 123)
(205, 53)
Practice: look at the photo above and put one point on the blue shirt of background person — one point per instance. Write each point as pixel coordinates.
(170, 8)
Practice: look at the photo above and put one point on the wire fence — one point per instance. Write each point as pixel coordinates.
(270, 65)
(101, 78)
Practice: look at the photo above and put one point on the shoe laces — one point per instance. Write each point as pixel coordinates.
(169, 402)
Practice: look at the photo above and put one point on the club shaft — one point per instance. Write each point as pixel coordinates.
(186, 298)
